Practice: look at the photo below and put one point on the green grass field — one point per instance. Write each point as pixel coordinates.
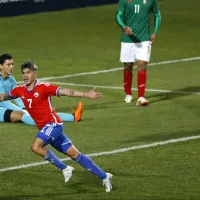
(84, 40)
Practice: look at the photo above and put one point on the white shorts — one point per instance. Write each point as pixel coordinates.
(130, 52)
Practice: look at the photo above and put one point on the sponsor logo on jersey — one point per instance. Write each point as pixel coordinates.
(36, 94)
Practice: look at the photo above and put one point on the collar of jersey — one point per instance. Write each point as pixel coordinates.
(4, 78)
(36, 81)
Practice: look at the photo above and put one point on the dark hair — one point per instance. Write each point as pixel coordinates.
(5, 57)
(30, 65)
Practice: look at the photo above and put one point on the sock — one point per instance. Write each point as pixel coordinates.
(27, 119)
(128, 82)
(88, 164)
(141, 83)
(66, 117)
(53, 159)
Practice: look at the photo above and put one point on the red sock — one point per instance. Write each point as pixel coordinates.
(128, 82)
(141, 80)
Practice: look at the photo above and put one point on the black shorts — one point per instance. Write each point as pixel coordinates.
(7, 115)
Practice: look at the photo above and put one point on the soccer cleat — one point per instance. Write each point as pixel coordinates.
(128, 98)
(67, 173)
(107, 182)
(142, 102)
(78, 112)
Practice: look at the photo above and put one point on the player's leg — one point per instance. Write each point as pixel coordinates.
(18, 116)
(44, 137)
(143, 57)
(127, 56)
(64, 145)
(78, 112)
(7, 115)
(27, 119)
(76, 116)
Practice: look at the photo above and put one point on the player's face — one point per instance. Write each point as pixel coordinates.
(29, 76)
(7, 67)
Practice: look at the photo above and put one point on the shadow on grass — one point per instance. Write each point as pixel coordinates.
(165, 96)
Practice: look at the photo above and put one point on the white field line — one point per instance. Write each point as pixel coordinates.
(116, 69)
(183, 139)
(121, 88)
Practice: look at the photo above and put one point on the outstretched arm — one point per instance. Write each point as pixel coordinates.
(75, 93)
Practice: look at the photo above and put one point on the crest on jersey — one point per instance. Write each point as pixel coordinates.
(22, 97)
(36, 94)
(144, 1)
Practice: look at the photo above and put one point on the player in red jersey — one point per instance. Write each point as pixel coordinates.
(36, 97)
(10, 112)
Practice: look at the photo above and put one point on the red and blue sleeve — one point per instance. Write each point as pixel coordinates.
(14, 93)
(52, 90)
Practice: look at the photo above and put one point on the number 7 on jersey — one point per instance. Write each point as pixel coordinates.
(30, 102)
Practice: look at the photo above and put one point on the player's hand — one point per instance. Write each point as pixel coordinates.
(128, 30)
(93, 94)
(153, 38)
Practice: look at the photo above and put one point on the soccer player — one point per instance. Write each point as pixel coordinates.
(133, 16)
(36, 97)
(10, 112)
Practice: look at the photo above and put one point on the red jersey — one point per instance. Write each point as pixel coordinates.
(38, 102)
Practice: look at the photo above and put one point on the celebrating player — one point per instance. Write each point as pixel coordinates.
(36, 97)
(10, 112)
(134, 18)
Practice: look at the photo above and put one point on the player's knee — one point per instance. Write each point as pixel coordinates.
(142, 68)
(128, 66)
(16, 116)
(142, 65)
(34, 147)
(72, 152)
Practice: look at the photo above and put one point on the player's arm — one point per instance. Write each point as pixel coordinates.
(75, 93)
(157, 18)
(13, 94)
(120, 17)
(5, 97)
(20, 105)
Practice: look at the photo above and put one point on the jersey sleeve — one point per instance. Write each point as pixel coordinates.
(15, 93)
(52, 90)
(18, 101)
(2, 91)
(121, 5)
(154, 8)
(157, 16)
(120, 13)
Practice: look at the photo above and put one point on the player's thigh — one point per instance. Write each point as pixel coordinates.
(62, 143)
(143, 51)
(49, 133)
(7, 115)
(128, 52)
(16, 116)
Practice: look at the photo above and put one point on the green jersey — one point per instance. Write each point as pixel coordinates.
(136, 15)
